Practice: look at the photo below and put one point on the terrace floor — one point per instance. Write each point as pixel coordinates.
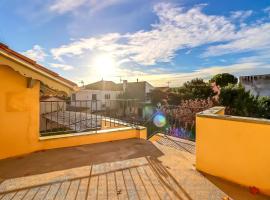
(126, 169)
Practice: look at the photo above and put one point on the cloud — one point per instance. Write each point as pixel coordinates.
(254, 38)
(267, 10)
(64, 6)
(103, 42)
(176, 29)
(161, 77)
(61, 66)
(177, 79)
(241, 14)
(37, 53)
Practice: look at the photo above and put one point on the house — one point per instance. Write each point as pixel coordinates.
(257, 84)
(137, 90)
(97, 95)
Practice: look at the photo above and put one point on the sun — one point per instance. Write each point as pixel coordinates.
(104, 65)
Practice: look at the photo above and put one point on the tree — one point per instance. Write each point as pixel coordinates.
(157, 96)
(238, 101)
(195, 89)
(264, 107)
(224, 79)
(174, 98)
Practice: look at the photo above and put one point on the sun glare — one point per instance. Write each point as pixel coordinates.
(105, 65)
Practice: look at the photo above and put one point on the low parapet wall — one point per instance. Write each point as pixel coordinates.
(234, 148)
(67, 140)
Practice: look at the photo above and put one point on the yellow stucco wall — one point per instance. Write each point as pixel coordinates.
(19, 120)
(19, 108)
(235, 150)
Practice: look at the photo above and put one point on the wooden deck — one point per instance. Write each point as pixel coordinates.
(127, 169)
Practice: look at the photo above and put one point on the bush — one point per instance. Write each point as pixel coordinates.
(238, 101)
(264, 107)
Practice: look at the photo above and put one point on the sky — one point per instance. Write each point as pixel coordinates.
(162, 42)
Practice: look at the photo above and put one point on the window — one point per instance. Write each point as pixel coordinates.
(73, 97)
(94, 97)
(107, 96)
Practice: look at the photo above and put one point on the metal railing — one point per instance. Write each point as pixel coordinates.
(68, 116)
(60, 117)
(179, 121)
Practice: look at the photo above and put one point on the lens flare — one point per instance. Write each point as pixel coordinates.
(159, 120)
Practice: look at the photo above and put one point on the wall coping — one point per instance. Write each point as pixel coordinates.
(84, 133)
(212, 113)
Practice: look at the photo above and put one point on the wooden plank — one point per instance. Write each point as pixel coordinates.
(61, 194)
(112, 192)
(42, 192)
(8, 196)
(73, 189)
(163, 194)
(102, 187)
(138, 184)
(93, 186)
(31, 193)
(147, 183)
(52, 191)
(20, 194)
(131, 190)
(83, 187)
(120, 186)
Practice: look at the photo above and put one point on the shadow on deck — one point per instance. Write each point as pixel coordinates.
(126, 169)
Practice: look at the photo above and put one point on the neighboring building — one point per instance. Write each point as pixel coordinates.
(105, 93)
(102, 95)
(137, 90)
(58, 104)
(257, 84)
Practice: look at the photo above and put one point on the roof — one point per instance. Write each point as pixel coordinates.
(255, 75)
(137, 83)
(104, 85)
(163, 89)
(44, 98)
(5, 50)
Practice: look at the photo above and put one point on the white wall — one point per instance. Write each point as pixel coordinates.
(86, 95)
(148, 89)
(258, 87)
(46, 106)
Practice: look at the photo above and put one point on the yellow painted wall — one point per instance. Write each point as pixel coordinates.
(19, 108)
(19, 120)
(234, 150)
(90, 139)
